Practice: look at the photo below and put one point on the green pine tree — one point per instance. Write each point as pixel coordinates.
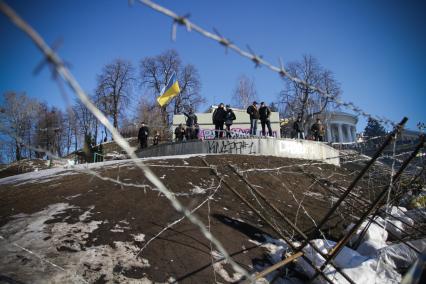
(374, 128)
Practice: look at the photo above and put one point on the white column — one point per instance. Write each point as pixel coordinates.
(351, 139)
(339, 127)
(329, 139)
(348, 133)
(353, 133)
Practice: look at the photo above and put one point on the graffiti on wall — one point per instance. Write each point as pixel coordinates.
(209, 134)
(231, 147)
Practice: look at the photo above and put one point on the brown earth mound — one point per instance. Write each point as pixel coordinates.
(110, 225)
(23, 166)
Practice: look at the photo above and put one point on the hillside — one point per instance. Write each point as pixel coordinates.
(105, 223)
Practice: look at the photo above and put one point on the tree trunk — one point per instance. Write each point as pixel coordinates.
(18, 151)
(106, 133)
(29, 143)
(96, 131)
(304, 101)
(115, 114)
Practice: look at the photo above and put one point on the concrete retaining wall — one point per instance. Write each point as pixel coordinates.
(288, 148)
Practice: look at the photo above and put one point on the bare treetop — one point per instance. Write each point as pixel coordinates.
(244, 93)
(301, 100)
(156, 72)
(115, 86)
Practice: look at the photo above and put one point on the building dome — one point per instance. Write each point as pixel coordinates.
(340, 127)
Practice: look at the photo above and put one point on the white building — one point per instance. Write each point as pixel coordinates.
(340, 127)
(240, 128)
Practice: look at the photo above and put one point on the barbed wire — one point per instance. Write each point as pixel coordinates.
(62, 71)
(255, 58)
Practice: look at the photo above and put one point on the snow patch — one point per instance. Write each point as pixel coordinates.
(198, 190)
(62, 247)
(139, 237)
(86, 214)
(359, 268)
(218, 267)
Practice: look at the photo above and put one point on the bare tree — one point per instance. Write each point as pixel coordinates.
(244, 93)
(149, 113)
(70, 127)
(190, 96)
(103, 104)
(300, 100)
(17, 122)
(115, 85)
(50, 130)
(156, 72)
(85, 119)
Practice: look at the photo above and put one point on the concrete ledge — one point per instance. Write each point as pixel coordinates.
(288, 148)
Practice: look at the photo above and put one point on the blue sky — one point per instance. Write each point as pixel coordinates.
(375, 48)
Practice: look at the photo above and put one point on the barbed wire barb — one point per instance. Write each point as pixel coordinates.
(223, 41)
(257, 59)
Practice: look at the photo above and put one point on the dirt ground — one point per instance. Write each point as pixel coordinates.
(23, 166)
(101, 232)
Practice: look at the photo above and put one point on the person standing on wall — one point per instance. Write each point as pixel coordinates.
(254, 116)
(264, 115)
(196, 131)
(179, 133)
(298, 128)
(229, 120)
(143, 135)
(318, 130)
(191, 120)
(156, 138)
(219, 120)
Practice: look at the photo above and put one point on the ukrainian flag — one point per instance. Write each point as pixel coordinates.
(170, 91)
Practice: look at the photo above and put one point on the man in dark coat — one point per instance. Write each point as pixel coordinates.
(143, 135)
(196, 131)
(191, 121)
(219, 120)
(180, 133)
(254, 116)
(191, 118)
(299, 129)
(264, 114)
(318, 130)
(229, 120)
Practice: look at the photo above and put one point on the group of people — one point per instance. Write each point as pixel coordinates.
(263, 114)
(317, 129)
(191, 130)
(143, 135)
(225, 117)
